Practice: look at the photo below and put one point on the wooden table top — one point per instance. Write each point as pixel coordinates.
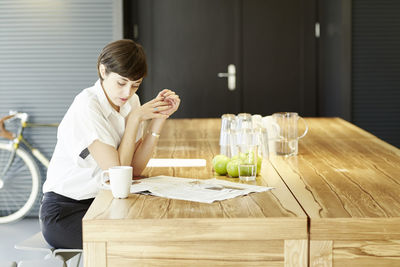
(346, 179)
(342, 173)
(258, 213)
(337, 203)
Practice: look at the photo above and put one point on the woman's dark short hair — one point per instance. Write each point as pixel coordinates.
(124, 57)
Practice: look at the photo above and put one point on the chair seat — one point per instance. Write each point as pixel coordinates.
(38, 243)
(35, 243)
(8, 264)
(41, 263)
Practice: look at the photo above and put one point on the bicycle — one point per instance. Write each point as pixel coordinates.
(19, 174)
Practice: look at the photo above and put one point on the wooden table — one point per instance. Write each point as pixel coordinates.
(348, 183)
(346, 180)
(261, 229)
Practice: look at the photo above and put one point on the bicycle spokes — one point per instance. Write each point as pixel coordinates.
(6, 166)
(21, 183)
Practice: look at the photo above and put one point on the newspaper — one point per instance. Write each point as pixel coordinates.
(198, 190)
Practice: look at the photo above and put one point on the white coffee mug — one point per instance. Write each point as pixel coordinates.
(120, 180)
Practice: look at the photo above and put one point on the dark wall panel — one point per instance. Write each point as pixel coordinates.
(376, 67)
(279, 53)
(334, 61)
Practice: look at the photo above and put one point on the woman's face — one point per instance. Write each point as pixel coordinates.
(118, 89)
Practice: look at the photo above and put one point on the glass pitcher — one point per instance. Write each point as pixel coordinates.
(287, 141)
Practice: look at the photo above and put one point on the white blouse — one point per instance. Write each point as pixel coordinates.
(73, 172)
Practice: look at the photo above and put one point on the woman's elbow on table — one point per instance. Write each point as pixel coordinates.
(105, 155)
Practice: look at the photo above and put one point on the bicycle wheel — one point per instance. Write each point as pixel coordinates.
(21, 184)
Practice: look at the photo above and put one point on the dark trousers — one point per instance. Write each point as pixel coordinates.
(61, 220)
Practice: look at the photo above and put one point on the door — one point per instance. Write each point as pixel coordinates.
(187, 44)
(190, 44)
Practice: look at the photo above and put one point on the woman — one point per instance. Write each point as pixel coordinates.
(102, 128)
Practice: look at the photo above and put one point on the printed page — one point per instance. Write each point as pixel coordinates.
(199, 190)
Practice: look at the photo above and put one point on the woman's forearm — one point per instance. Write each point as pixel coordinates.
(146, 148)
(126, 148)
(107, 156)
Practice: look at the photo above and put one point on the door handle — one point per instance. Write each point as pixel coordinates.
(231, 75)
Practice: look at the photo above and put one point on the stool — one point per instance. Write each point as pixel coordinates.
(38, 243)
(8, 264)
(36, 263)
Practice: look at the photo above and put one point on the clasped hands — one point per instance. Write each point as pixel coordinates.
(161, 107)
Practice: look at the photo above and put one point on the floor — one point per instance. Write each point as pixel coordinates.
(13, 233)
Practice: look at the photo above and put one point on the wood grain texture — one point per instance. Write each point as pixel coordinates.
(345, 179)
(153, 231)
(348, 183)
(207, 251)
(94, 254)
(296, 253)
(191, 129)
(343, 172)
(194, 229)
(276, 203)
(185, 263)
(355, 228)
(321, 253)
(367, 253)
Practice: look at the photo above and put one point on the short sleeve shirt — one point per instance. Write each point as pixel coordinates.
(72, 171)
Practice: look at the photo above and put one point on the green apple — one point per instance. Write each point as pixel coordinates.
(241, 156)
(233, 168)
(219, 164)
(218, 157)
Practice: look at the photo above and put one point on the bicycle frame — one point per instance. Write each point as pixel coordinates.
(16, 139)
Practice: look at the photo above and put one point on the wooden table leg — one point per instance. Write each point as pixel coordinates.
(94, 254)
(296, 253)
(321, 253)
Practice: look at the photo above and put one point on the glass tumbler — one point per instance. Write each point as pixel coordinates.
(228, 122)
(247, 162)
(244, 121)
